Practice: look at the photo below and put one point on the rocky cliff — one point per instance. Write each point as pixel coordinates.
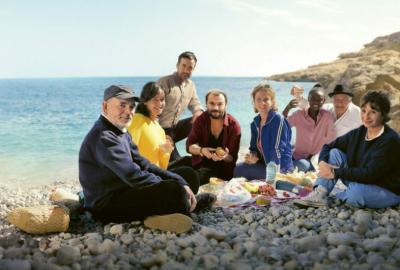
(376, 66)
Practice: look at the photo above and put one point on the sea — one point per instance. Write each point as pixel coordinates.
(43, 121)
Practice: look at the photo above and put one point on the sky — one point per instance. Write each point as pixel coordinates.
(74, 38)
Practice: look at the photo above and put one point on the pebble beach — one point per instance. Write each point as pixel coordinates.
(274, 237)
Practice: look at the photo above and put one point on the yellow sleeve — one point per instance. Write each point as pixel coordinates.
(164, 157)
(135, 129)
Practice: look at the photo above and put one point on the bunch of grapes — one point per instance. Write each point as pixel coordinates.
(267, 190)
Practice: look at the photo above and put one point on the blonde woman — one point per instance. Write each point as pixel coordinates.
(270, 137)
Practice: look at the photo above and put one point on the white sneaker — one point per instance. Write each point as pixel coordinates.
(317, 198)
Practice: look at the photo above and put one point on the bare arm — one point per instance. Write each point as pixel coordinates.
(292, 104)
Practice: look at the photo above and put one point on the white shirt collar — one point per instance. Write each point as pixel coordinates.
(379, 134)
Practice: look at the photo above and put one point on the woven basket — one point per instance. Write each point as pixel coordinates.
(40, 219)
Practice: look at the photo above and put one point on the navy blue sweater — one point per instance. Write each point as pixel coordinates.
(109, 161)
(373, 162)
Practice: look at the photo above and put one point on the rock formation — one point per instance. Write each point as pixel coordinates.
(375, 67)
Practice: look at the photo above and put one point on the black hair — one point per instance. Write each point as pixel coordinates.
(149, 90)
(316, 88)
(378, 101)
(187, 55)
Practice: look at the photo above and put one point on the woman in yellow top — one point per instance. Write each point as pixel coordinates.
(145, 130)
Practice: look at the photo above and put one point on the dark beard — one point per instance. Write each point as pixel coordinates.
(221, 115)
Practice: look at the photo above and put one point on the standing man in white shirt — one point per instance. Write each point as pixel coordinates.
(346, 114)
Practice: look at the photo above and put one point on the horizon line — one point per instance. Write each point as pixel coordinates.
(127, 76)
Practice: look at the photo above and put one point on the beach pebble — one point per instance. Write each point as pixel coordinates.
(361, 228)
(157, 259)
(172, 248)
(337, 239)
(107, 246)
(250, 247)
(200, 250)
(374, 259)
(275, 253)
(383, 243)
(210, 261)
(239, 266)
(9, 264)
(393, 214)
(290, 265)
(309, 243)
(74, 242)
(15, 252)
(249, 217)
(391, 231)
(199, 240)
(105, 259)
(93, 235)
(211, 233)
(126, 238)
(55, 244)
(227, 258)
(187, 254)
(343, 215)
(185, 242)
(362, 217)
(396, 255)
(384, 220)
(68, 255)
(275, 211)
(172, 265)
(262, 252)
(338, 253)
(376, 232)
(117, 229)
(308, 224)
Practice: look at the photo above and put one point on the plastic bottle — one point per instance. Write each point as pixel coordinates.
(270, 173)
(288, 186)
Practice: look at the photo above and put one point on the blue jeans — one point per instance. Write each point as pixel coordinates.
(303, 165)
(357, 194)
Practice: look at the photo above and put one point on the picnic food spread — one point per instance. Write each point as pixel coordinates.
(299, 178)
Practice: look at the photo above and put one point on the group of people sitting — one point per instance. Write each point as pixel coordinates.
(130, 169)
